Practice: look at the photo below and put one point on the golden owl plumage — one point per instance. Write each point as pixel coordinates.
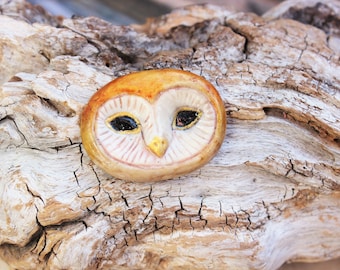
(153, 125)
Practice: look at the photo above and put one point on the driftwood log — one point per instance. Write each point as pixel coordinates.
(272, 193)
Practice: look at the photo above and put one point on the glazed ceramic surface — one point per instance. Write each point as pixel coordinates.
(153, 125)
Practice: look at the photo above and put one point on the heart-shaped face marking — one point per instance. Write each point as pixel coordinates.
(153, 125)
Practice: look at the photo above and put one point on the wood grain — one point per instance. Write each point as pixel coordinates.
(271, 194)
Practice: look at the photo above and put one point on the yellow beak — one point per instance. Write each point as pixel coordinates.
(158, 146)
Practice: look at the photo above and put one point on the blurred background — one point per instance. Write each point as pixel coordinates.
(136, 12)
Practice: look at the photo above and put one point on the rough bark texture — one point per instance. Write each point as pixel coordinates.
(272, 193)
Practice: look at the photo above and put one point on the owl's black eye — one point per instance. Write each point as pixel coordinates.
(186, 118)
(123, 123)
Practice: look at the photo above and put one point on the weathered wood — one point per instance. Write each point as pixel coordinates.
(270, 195)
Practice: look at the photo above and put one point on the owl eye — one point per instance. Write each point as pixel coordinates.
(186, 118)
(123, 122)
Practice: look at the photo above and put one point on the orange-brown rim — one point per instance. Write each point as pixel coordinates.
(149, 84)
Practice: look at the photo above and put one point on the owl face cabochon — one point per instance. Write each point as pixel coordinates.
(153, 125)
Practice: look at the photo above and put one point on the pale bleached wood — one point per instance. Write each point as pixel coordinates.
(269, 196)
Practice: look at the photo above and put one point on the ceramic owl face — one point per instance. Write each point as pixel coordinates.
(153, 125)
